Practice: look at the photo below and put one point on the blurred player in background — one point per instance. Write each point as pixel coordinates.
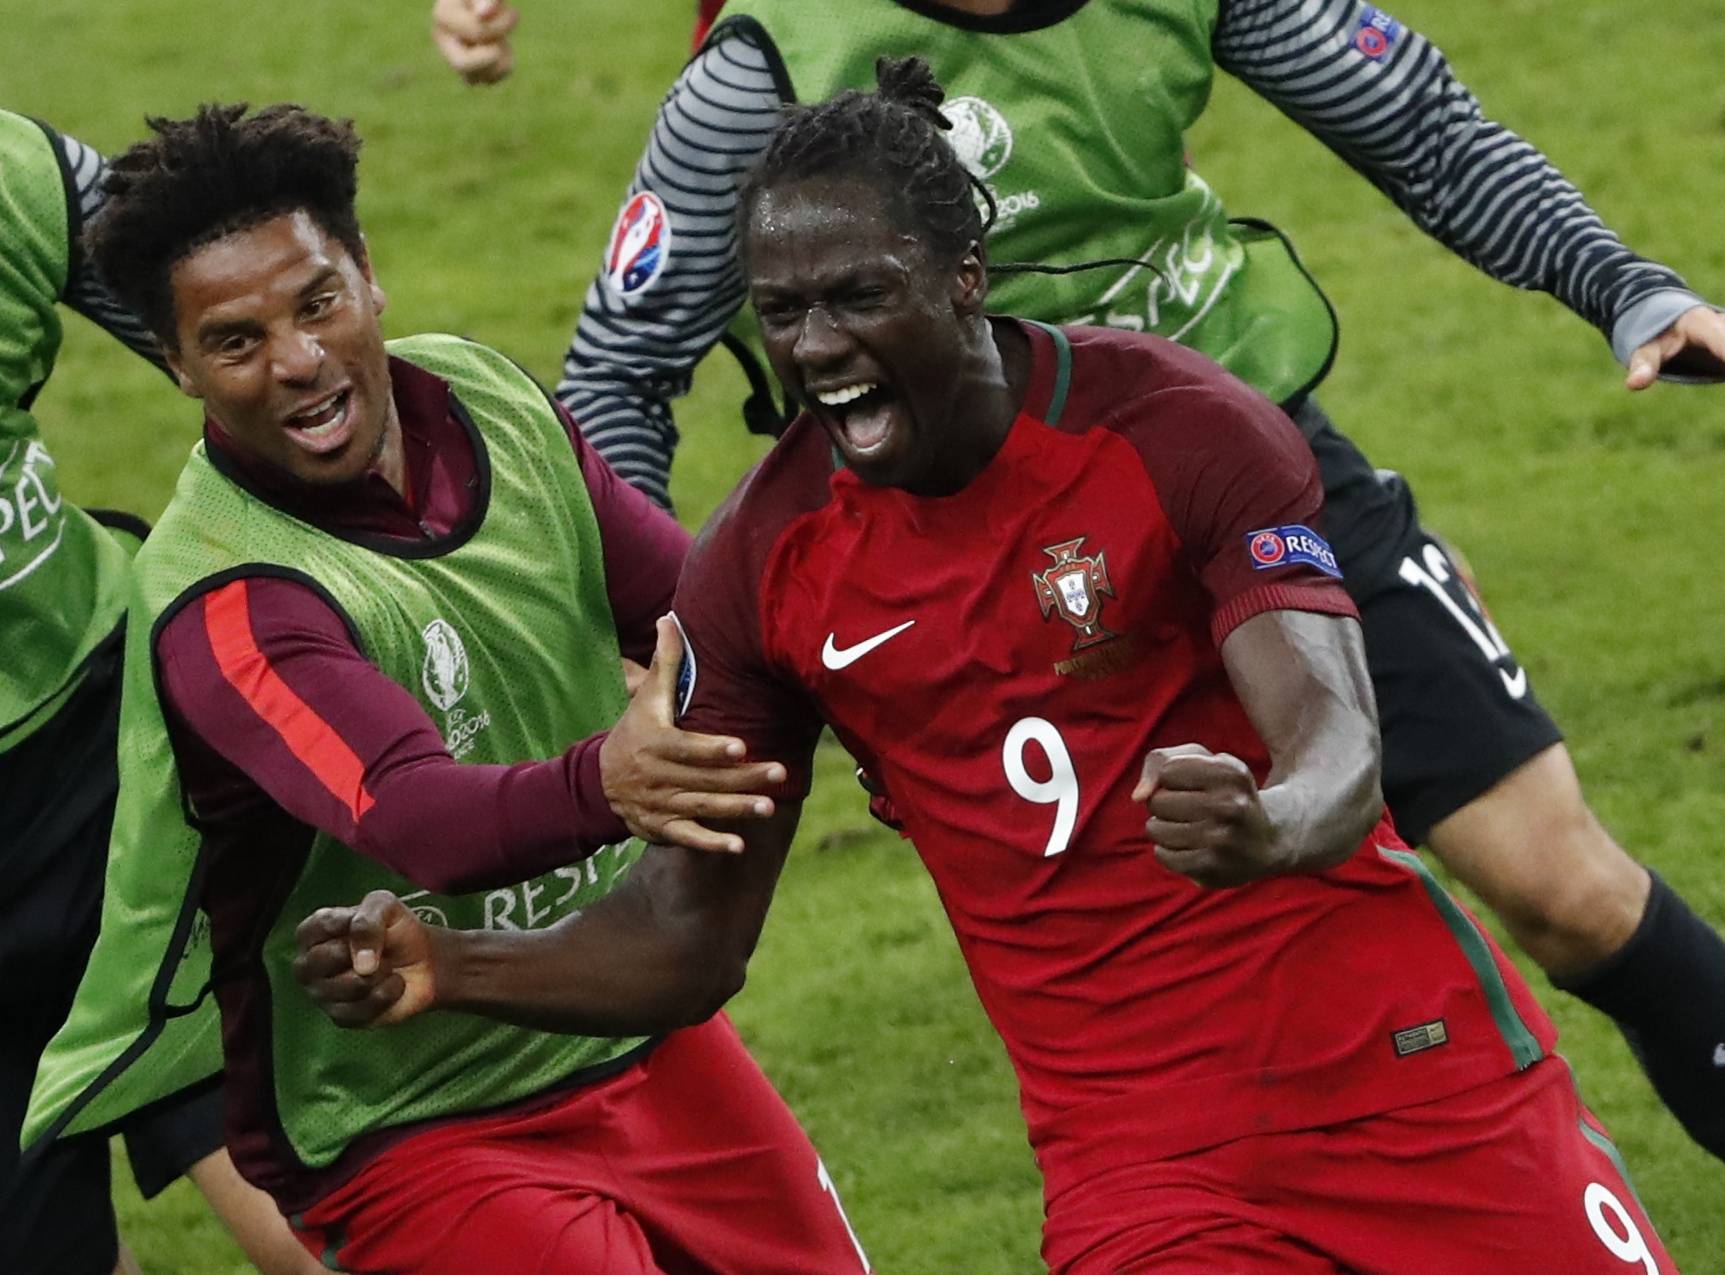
(390, 581)
(63, 581)
(473, 35)
(1072, 114)
(1251, 1034)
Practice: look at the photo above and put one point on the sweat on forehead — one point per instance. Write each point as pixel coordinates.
(828, 209)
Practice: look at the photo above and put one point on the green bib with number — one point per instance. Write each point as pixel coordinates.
(503, 632)
(1076, 128)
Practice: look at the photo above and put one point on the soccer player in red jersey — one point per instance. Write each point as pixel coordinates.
(1251, 1033)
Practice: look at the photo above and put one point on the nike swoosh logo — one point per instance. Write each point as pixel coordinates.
(836, 657)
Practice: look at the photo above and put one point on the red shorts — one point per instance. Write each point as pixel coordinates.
(1515, 1175)
(687, 1162)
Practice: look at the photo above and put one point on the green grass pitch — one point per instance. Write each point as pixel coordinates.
(1590, 514)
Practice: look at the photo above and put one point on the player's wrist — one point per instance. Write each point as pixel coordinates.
(448, 968)
(1314, 827)
(493, 973)
(1296, 845)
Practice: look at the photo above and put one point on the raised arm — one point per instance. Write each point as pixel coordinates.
(1242, 492)
(670, 281)
(666, 949)
(1302, 680)
(1383, 98)
(83, 170)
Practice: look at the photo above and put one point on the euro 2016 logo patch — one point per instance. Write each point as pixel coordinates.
(1377, 34)
(980, 136)
(444, 670)
(982, 140)
(1291, 545)
(445, 674)
(640, 245)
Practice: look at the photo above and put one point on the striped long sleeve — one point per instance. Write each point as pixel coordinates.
(635, 349)
(1383, 98)
(85, 168)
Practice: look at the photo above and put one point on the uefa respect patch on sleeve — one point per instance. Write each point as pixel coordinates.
(1290, 546)
(1377, 33)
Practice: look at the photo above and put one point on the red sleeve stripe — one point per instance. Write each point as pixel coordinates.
(227, 620)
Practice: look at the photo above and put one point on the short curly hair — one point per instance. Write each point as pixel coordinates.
(892, 139)
(218, 172)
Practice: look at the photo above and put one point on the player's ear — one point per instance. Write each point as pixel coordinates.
(970, 281)
(379, 298)
(177, 366)
(168, 341)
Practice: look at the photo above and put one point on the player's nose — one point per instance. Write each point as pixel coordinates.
(821, 343)
(295, 357)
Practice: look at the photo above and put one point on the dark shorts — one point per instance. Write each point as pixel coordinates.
(1455, 708)
(56, 803)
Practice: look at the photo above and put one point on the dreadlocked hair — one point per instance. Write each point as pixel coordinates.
(200, 179)
(893, 140)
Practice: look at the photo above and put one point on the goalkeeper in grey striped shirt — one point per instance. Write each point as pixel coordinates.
(1076, 144)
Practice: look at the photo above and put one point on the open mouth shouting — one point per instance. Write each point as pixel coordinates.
(860, 416)
(324, 426)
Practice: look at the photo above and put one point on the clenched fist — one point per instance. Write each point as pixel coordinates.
(367, 966)
(1207, 821)
(473, 36)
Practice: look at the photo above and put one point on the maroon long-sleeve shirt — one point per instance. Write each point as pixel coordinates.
(375, 773)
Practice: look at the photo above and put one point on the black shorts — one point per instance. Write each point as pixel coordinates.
(57, 792)
(1454, 705)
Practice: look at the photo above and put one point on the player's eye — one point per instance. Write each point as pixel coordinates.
(777, 314)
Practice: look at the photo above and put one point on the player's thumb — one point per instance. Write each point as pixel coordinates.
(1156, 761)
(365, 932)
(1643, 367)
(1645, 362)
(660, 687)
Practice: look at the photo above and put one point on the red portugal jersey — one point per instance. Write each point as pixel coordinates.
(1002, 658)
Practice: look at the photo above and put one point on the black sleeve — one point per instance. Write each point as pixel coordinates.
(83, 169)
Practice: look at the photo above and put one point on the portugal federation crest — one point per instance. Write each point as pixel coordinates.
(1074, 587)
